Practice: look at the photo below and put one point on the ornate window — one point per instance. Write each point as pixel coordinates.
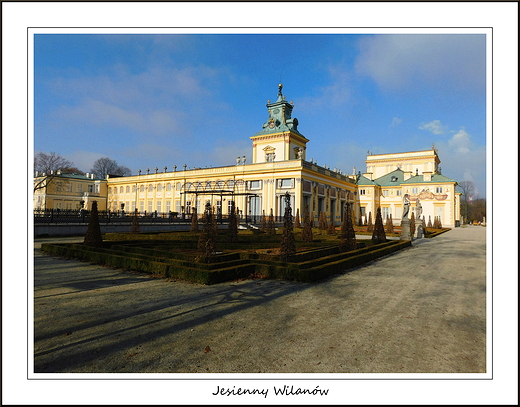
(255, 184)
(286, 183)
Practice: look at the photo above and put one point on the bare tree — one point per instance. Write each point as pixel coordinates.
(106, 166)
(45, 163)
(467, 188)
(47, 167)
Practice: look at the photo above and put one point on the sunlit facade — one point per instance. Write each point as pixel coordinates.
(279, 166)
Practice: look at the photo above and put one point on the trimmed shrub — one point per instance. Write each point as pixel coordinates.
(93, 236)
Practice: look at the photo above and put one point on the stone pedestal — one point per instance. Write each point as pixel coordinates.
(420, 231)
(405, 230)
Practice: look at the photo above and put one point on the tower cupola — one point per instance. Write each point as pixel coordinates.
(279, 138)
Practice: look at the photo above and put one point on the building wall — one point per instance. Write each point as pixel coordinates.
(66, 191)
(264, 183)
(436, 198)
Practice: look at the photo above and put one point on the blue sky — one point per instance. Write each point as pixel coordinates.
(171, 99)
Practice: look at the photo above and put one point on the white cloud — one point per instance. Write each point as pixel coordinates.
(336, 93)
(396, 121)
(460, 142)
(406, 61)
(435, 126)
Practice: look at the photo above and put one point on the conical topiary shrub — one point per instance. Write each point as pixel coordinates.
(348, 236)
(194, 220)
(331, 230)
(370, 226)
(297, 218)
(208, 237)
(430, 221)
(135, 223)
(412, 224)
(93, 236)
(271, 228)
(307, 227)
(288, 245)
(233, 224)
(389, 224)
(378, 235)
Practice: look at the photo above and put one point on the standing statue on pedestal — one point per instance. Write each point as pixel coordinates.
(418, 209)
(406, 206)
(405, 222)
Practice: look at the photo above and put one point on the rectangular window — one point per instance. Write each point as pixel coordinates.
(399, 192)
(255, 184)
(415, 190)
(286, 183)
(361, 192)
(385, 192)
(133, 206)
(150, 206)
(80, 187)
(159, 206)
(168, 206)
(438, 190)
(178, 206)
(188, 207)
(229, 206)
(385, 211)
(141, 206)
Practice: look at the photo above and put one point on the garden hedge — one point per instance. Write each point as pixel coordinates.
(307, 266)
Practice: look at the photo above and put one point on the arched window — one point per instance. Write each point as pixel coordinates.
(168, 187)
(159, 187)
(120, 190)
(133, 188)
(150, 188)
(127, 189)
(141, 188)
(109, 190)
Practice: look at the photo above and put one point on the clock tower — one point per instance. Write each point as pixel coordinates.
(279, 139)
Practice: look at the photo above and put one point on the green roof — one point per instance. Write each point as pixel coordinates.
(73, 176)
(436, 178)
(394, 178)
(362, 180)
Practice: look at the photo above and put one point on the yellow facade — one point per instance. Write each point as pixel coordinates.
(417, 173)
(255, 189)
(68, 191)
(278, 167)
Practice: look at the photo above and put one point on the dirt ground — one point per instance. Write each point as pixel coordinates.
(422, 310)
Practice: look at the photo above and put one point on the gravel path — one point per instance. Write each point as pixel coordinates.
(422, 310)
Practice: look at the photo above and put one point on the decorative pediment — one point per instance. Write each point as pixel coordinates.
(269, 149)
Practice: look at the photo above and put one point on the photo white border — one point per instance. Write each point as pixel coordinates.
(17, 17)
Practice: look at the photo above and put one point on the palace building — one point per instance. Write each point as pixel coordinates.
(279, 166)
(390, 176)
(68, 191)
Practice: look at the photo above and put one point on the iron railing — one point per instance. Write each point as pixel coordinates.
(68, 216)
